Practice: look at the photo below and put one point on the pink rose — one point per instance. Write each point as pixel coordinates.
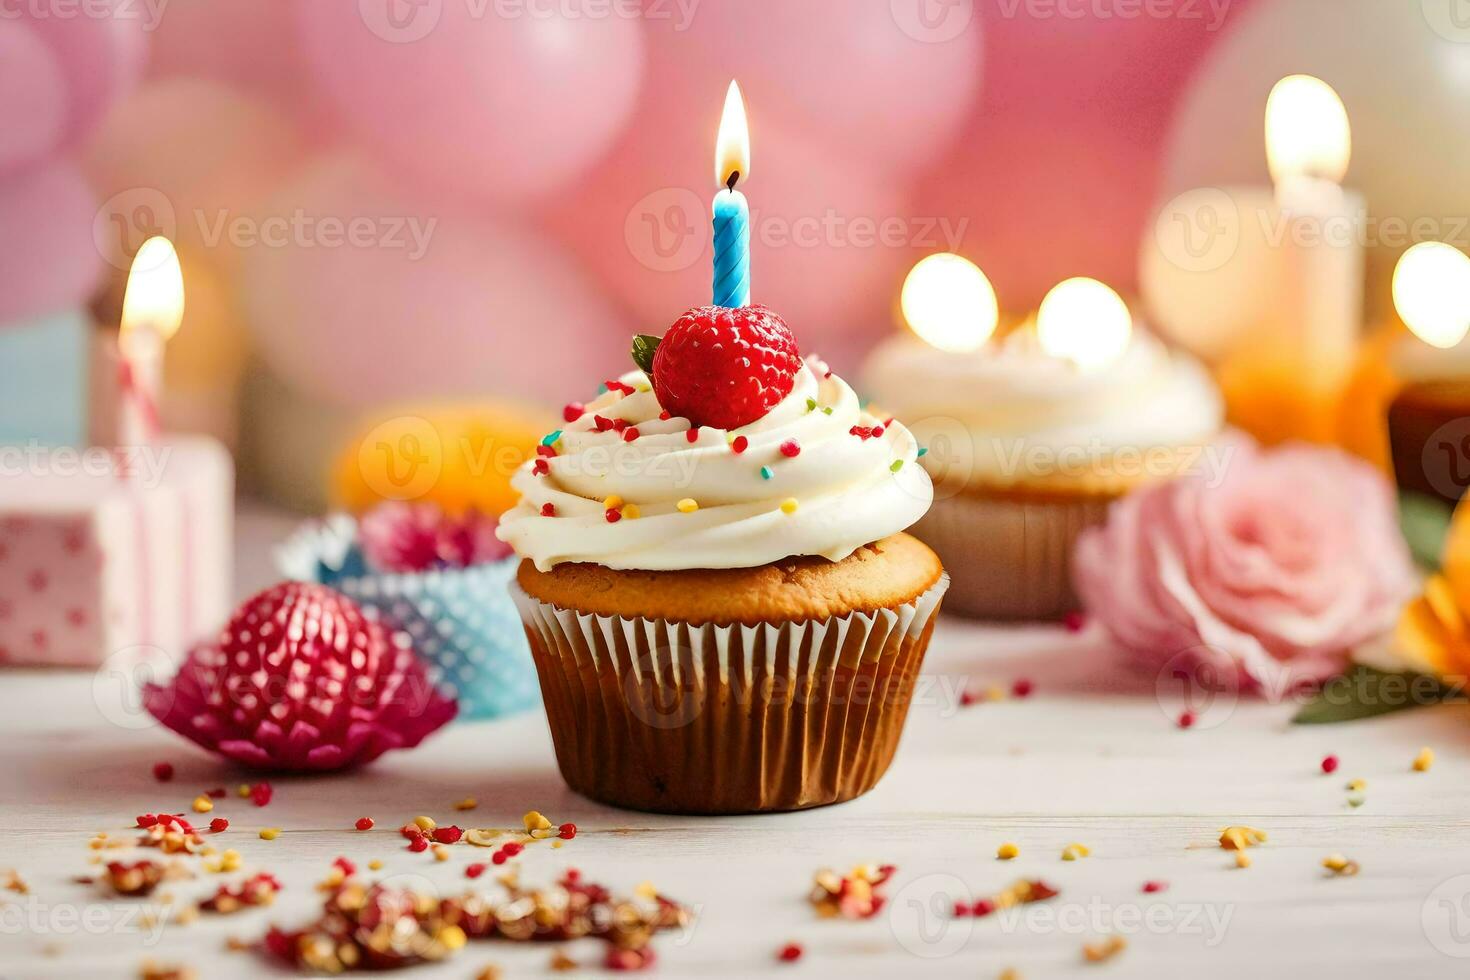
(1273, 572)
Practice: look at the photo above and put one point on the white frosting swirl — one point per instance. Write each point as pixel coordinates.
(848, 491)
(1011, 397)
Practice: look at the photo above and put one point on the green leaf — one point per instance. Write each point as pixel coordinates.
(644, 347)
(1425, 522)
(1366, 692)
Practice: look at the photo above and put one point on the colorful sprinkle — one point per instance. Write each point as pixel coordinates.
(665, 415)
(219, 825)
(1153, 887)
(540, 467)
(739, 444)
(923, 451)
(767, 473)
(1424, 759)
(163, 771)
(1329, 764)
(791, 448)
(789, 505)
(601, 424)
(613, 516)
(1187, 719)
(1007, 851)
(1074, 621)
(895, 466)
(613, 502)
(1022, 688)
(551, 437)
(548, 510)
(811, 404)
(688, 505)
(631, 512)
(203, 804)
(692, 433)
(364, 823)
(546, 450)
(790, 953)
(630, 433)
(573, 411)
(270, 833)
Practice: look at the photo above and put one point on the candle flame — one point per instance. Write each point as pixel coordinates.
(732, 147)
(1307, 131)
(1431, 291)
(1084, 321)
(154, 299)
(949, 303)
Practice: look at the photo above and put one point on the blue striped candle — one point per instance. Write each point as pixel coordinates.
(732, 249)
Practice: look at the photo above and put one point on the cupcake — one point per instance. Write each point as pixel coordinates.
(438, 579)
(1027, 449)
(722, 606)
(1429, 419)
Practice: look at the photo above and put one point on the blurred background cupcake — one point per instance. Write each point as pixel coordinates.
(439, 578)
(1029, 436)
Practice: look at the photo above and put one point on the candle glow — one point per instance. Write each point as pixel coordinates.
(1307, 131)
(154, 300)
(732, 146)
(1431, 291)
(949, 303)
(1084, 321)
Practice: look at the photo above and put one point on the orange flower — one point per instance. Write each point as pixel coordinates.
(1434, 630)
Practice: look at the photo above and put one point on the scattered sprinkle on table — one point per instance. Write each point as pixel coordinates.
(1329, 764)
(1424, 759)
(1007, 851)
(270, 833)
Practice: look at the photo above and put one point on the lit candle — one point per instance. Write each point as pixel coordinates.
(153, 308)
(731, 212)
(1428, 431)
(949, 303)
(1084, 321)
(1286, 370)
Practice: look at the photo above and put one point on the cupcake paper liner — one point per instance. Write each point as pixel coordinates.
(462, 622)
(1010, 559)
(657, 715)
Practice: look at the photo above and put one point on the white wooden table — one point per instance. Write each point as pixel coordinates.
(1091, 757)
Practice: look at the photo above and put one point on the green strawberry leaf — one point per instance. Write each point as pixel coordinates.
(644, 347)
(1366, 692)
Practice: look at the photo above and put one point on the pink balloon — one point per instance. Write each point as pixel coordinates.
(101, 49)
(499, 105)
(250, 44)
(1073, 120)
(50, 262)
(830, 238)
(32, 96)
(885, 82)
(374, 297)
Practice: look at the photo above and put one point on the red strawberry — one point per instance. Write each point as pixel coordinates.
(722, 367)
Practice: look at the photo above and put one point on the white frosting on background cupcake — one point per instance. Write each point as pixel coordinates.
(847, 490)
(1013, 399)
(1413, 360)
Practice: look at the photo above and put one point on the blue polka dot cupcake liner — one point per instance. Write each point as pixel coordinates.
(462, 622)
